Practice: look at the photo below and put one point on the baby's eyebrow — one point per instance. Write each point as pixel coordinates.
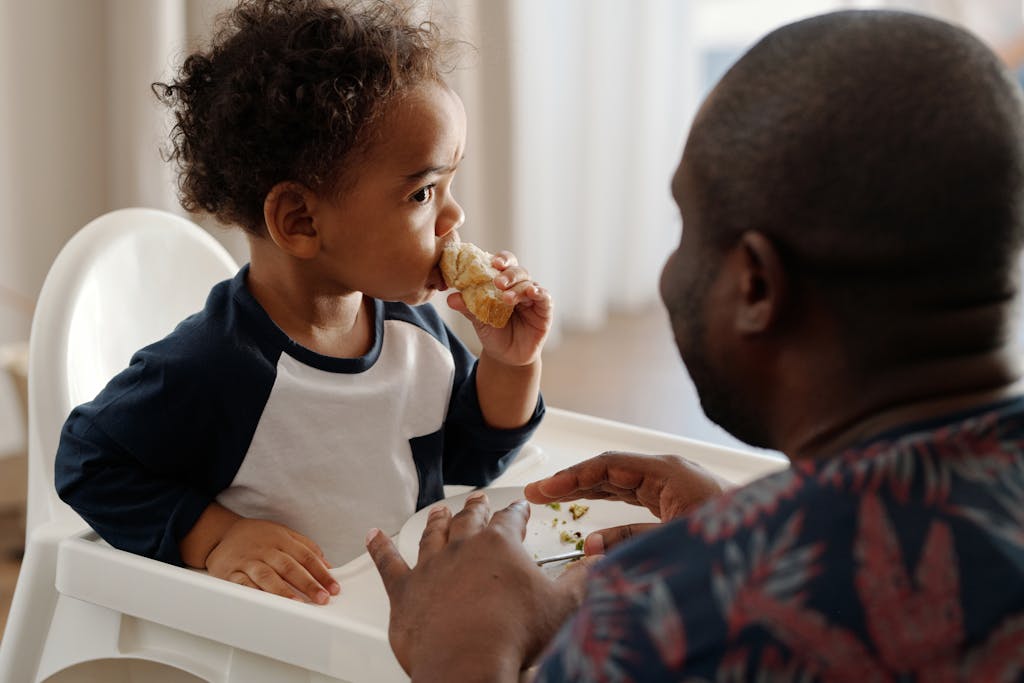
(434, 170)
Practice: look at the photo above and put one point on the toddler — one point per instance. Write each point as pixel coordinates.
(318, 393)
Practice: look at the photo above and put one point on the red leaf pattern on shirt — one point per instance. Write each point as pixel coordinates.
(1001, 658)
(760, 586)
(909, 627)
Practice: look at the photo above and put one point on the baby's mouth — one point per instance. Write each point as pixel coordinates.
(436, 280)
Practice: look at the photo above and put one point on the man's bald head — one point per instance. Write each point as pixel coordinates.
(883, 152)
(852, 194)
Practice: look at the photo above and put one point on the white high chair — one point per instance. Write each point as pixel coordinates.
(83, 611)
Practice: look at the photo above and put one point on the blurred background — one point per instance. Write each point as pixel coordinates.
(577, 114)
(578, 110)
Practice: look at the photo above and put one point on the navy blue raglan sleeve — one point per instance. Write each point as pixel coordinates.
(140, 463)
(143, 460)
(473, 453)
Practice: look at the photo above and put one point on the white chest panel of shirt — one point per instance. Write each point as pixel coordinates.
(330, 457)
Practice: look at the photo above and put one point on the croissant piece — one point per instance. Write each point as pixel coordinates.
(467, 268)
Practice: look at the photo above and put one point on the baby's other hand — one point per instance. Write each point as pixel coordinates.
(521, 340)
(273, 558)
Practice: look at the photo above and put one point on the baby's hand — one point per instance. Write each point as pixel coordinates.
(273, 558)
(521, 340)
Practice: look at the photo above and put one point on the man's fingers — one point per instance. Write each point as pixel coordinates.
(620, 470)
(511, 521)
(667, 485)
(555, 487)
(390, 565)
(566, 485)
(601, 541)
(574, 577)
(435, 532)
(471, 518)
(623, 471)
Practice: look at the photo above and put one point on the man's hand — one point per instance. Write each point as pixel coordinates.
(273, 558)
(667, 485)
(475, 607)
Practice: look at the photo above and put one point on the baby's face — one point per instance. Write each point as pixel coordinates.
(384, 235)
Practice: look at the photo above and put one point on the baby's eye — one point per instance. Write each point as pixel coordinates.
(423, 195)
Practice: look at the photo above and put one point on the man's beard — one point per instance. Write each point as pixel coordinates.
(724, 403)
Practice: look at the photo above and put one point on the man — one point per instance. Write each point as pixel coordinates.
(852, 195)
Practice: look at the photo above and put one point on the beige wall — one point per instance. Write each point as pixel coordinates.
(52, 177)
(80, 134)
(52, 174)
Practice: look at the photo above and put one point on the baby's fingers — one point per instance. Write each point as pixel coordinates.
(297, 575)
(504, 259)
(536, 297)
(265, 577)
(457, 303)
(603, 540)
(309, 543)
(308, 554)
(512, 276)
(522, 291)
(242, 579)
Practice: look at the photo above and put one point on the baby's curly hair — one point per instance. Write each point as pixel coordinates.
(288, 90)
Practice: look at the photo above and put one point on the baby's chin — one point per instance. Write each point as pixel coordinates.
(423, 296)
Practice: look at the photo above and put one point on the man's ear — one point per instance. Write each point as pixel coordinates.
(763, 283)
(288, 212)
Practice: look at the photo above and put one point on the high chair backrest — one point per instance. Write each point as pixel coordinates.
(123, 281)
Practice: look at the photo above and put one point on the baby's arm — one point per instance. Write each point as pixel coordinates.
(136, 507)
(508, 374)
(508, 393)
(145, 477)
(258, 554)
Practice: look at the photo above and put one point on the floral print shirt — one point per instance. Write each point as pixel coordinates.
(899, 560)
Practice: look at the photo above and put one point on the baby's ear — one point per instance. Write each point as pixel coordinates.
(288, 214)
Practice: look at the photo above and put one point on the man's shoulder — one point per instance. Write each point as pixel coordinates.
(919, 465)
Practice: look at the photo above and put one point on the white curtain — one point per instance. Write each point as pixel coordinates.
(577, 111)
(577, 114)
(80, 131)
(80, 134)
(602, 103)
(577, 108)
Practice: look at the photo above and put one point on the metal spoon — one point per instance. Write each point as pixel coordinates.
(575, 554)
